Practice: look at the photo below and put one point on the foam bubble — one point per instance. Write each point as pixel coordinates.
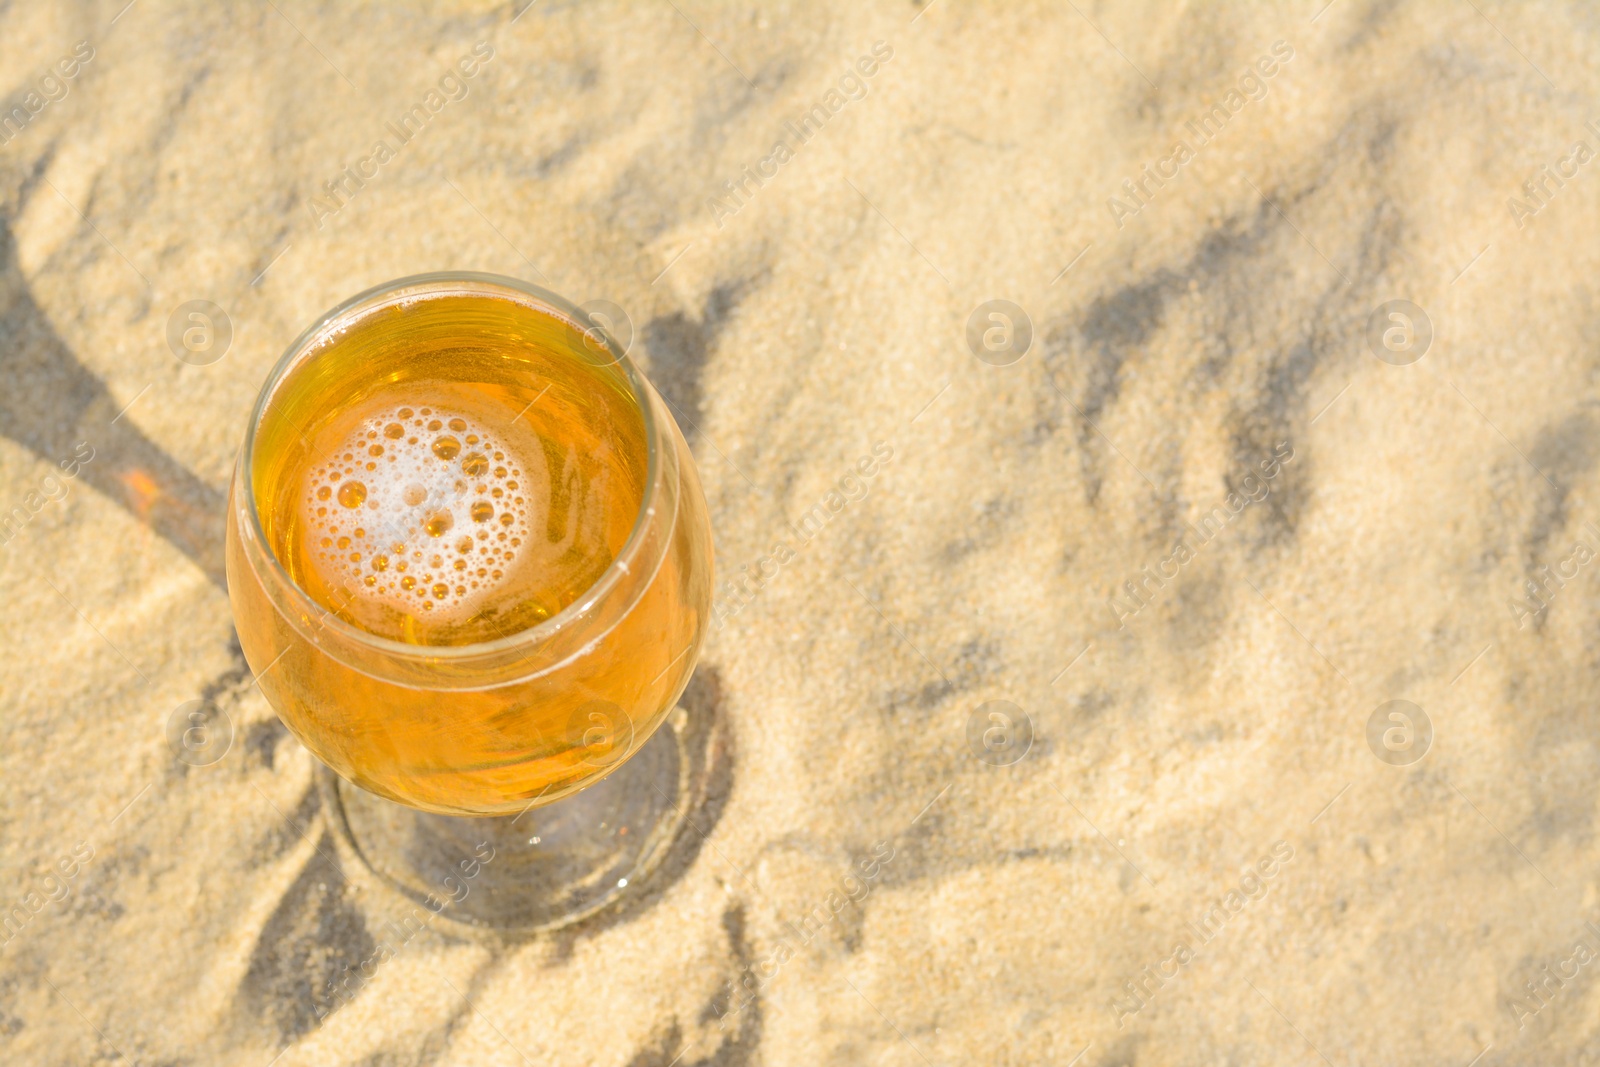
(411, 525)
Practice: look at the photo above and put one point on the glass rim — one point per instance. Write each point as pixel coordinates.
(434, 284)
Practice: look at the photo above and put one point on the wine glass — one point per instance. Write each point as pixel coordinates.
(534, 644)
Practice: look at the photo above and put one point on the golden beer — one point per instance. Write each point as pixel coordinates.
(467, 548)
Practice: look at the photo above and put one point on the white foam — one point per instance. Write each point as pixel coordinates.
(421, 507)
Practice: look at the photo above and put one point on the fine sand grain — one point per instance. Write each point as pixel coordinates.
(1198, 533)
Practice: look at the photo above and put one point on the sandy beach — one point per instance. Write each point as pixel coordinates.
(1153, 453)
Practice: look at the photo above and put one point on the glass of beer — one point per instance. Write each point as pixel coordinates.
(470, 564)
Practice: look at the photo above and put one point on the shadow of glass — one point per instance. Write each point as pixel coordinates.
(51, 403)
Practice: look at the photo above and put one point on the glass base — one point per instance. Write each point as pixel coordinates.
(543, 869)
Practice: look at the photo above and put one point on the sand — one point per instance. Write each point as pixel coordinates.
(1197, 536)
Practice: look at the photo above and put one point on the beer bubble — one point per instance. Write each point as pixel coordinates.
(419, 470)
